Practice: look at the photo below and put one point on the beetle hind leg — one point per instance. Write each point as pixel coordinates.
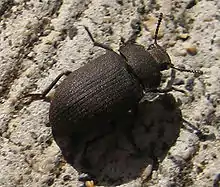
(130, 137)
(85, 157)
(38, 96)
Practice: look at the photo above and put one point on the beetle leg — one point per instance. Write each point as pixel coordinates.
(136, 32)
(128, 131)
(191, 128)
(97, 44)
(130, 138)
(84, 160)
(122, 41)
(42, 95)
(169, 87)
(173, 76)
(165, 90)
(132, 39)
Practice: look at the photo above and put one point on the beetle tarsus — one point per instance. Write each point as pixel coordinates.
(39, 96)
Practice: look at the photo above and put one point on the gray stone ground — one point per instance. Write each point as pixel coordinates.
(40, 39)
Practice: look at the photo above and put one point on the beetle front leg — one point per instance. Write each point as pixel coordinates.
(165, 90)
(169, 87)
(37, 96)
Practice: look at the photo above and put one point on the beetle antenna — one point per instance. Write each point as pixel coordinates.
(197, 72)
(158, 26)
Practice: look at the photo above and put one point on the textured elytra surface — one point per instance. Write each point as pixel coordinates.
(39, 40)
(97, 92)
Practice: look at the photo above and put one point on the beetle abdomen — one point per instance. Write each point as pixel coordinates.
(98, 91)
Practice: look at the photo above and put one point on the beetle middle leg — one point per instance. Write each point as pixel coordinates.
(128, 131)
(36, 96)
(132, 39)
(95, 43)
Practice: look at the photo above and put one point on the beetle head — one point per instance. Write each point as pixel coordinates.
(161, 57)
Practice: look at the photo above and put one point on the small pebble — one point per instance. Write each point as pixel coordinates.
(146, 173)
(31, 54)
(183, 36)
(191, 50)
(89, 183)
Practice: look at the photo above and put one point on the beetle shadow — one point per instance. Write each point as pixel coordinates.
(111, 159)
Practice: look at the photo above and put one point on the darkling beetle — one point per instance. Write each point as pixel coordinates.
(107, 86)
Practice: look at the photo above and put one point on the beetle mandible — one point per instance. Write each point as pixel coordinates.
(107, 86)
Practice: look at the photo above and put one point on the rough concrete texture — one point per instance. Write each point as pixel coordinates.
(40, 39)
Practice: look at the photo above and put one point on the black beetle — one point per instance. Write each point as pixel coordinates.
(107, 86)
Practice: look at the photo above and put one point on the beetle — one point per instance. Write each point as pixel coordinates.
(108, 86)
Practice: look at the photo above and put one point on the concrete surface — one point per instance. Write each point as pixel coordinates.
(40, 39)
